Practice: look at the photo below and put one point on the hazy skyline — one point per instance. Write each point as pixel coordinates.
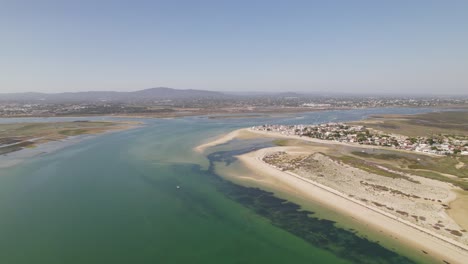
(305, 46)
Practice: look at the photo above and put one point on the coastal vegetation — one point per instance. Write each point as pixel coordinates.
(449, 123)
(379, 185)
(448, 169)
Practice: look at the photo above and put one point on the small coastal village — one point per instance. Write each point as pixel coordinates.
(388, 187)
(340, 132)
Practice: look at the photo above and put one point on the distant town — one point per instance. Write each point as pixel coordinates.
(339, 132)
(174, 102)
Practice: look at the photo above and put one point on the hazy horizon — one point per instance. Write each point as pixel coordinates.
(253, 92)
(364, 47)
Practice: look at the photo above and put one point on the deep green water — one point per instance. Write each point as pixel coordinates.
(113, 199)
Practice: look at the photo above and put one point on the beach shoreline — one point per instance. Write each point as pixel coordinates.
(437, 246)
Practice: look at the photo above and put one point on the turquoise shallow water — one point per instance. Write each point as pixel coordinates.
(113, 199)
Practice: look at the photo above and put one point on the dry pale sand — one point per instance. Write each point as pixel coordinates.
(418, 200)
(437, 246)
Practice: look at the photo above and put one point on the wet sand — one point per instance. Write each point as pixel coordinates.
(459, 210)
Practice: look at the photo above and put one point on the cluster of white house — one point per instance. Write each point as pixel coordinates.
(439, 145)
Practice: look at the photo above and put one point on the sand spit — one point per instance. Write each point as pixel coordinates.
(240, 134)
(429, 241)
(367, 204)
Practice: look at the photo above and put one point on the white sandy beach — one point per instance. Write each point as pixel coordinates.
(420, 238)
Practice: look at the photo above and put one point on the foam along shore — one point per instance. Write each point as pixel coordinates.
(436, 245)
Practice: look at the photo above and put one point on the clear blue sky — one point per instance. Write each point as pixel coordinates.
(341, 46)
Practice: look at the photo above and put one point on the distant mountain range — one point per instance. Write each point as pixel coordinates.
(160, 94)
(152, 94)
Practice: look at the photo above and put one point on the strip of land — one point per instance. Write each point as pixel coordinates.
(240, 134)
(20, 137)
(453, 123)
(411, 208)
